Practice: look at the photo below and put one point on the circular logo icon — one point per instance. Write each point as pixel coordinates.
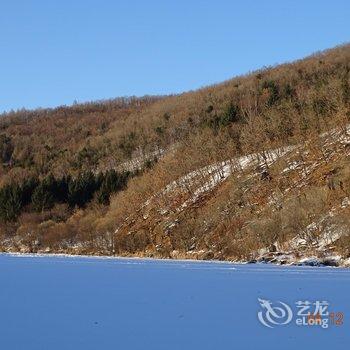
(274, 314)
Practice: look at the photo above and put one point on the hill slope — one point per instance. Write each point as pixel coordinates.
(255, 167)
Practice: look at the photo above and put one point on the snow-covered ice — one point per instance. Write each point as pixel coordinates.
(95, 303)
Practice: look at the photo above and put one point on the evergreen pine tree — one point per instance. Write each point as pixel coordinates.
(10, 202)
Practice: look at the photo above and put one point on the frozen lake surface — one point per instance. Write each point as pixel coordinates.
(122, 304)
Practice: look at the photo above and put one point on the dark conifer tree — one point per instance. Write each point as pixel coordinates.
(10, 202)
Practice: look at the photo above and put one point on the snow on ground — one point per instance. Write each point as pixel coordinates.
(207, 178)
(64, 303)
(138, 162)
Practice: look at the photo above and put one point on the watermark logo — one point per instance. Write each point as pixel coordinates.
(307, 313)
(274, 315)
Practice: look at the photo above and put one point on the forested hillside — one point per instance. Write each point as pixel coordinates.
(258, 163)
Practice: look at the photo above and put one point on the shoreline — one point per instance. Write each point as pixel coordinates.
(115, 257)
(303, 262)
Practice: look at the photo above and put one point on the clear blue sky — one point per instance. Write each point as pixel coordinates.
(56, 51)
